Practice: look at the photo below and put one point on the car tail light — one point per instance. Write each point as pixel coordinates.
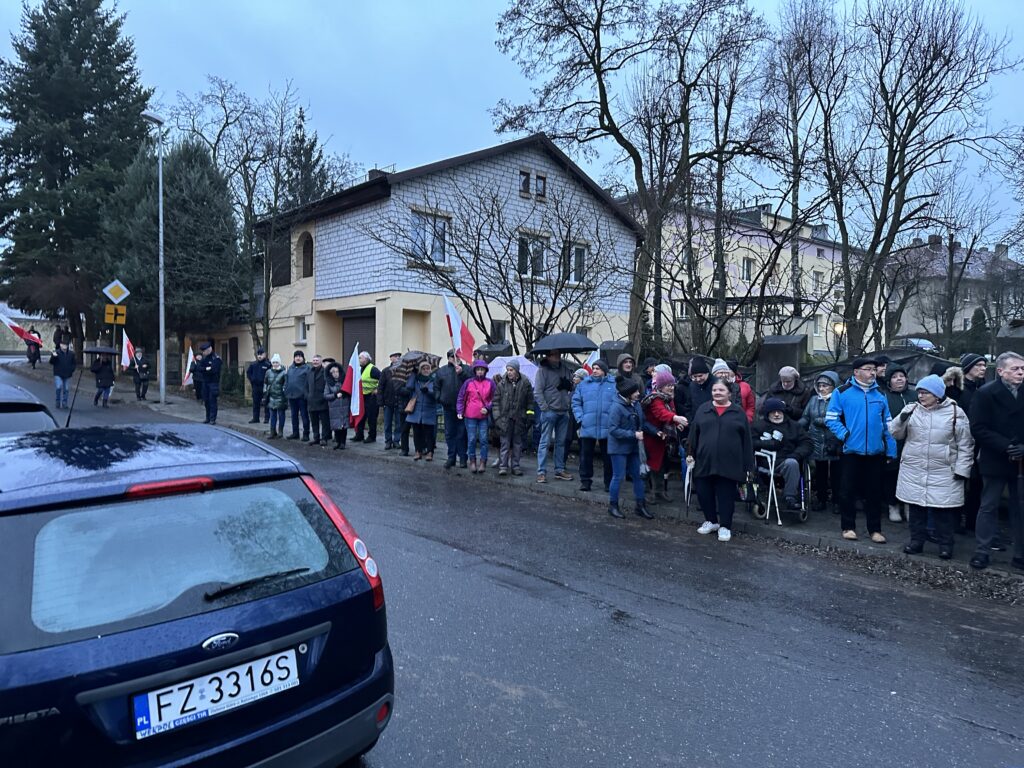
(166, 487)
(358, 547)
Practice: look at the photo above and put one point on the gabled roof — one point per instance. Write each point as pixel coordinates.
(379, 186)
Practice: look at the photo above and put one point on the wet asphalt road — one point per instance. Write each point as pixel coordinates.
(533, 636)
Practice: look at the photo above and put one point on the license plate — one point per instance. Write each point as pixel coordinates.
(193, 700)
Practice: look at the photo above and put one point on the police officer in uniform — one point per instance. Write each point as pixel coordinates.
(256, 373)
(210, 368)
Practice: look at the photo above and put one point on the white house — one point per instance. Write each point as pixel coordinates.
(518, 230)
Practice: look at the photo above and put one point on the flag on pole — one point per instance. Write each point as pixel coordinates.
(353, 385)
(187, 379)
(594, 357)
(127, 351)
(20, 332)
(458, 332)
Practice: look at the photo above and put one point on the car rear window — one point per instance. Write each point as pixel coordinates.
(18, 421)
(109, 567)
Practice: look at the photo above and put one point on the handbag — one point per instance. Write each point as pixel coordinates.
(411, 405)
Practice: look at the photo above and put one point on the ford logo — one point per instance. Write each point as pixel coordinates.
(220, 642)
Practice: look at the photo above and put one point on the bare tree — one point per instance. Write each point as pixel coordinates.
(589, 55)
(540, 267)
(900, 85)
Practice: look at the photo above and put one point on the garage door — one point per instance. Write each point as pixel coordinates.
(358, 326)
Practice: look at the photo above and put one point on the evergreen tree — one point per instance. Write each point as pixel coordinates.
(202, 287)
(72, 103)
(308, 175)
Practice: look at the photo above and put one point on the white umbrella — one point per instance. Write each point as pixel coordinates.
(526, 367)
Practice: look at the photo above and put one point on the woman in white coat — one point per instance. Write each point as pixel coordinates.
(936, 462)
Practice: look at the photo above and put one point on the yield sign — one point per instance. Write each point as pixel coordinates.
(116, 292)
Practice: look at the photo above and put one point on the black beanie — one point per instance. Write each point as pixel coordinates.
(626, 387)
(699, 365)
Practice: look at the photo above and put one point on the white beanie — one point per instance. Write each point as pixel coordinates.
(275, 359)
(720, 366)
(663, 368)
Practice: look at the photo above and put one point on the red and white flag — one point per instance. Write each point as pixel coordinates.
(594, 357)
(353, 385)
(458, 331)
(127, 351)
(20, 332)
(187, 379)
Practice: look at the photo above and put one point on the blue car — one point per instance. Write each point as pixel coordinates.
(182, 595)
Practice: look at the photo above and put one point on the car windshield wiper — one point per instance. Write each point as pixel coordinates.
(239, 586)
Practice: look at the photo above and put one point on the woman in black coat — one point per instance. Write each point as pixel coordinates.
(720, 455)
(104, 371)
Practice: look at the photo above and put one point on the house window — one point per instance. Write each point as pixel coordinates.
(574, 262)
(682, 310)
(300, 330)
(748, 269)
(430, 236)
(818, 283)
(583, 330)
(531, 255)
(821, 253)
(967, 323)
(819, 323)
(524, 183)
(540, 186)
(307, 256)
(967, 293)
(499, 330)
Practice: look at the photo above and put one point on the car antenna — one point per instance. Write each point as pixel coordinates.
(74, 397)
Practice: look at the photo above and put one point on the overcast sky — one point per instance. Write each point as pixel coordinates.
(401, 82)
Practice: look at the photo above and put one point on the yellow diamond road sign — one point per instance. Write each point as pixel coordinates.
(116, 292)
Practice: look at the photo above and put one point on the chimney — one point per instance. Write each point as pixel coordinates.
(375, 173)
(934, 242)
(917, 241)
(1002, 251)
(956, 246)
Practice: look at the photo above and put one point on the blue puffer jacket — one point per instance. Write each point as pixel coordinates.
(592, 406)
(860, 418)
(625, 420)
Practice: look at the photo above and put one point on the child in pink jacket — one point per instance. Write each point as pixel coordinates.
(474, 407)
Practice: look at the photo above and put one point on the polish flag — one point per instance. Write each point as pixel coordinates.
(458, 332)
(353, 385)
(20, 332)
(127, 351)
(588, 366)
(187, 379)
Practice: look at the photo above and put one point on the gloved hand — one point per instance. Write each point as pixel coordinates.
(765, 437)
(819, 422)
(777, 436)
(1015, 451)
(904, 415)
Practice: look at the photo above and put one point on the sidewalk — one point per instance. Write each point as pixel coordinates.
(821, 531)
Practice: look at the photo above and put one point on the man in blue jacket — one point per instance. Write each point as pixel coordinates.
(592, 402)
(296, 388)
(859, 417)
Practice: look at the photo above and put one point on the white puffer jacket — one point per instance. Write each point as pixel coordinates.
(938, 448)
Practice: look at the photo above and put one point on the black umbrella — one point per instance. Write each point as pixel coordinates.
(564, 342)
(99, 351)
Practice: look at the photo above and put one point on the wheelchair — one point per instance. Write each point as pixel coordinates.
(768, 486)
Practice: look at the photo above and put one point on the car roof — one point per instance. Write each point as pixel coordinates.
(12, 393)
(60, 466)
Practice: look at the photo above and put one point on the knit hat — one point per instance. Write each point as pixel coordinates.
(969, 359)
(512, 363)
(663, 368)
(883, 360)
(626, 386)
(649, 362)
(892, 370)
(933, 384)
(938, 369)
(299, 353)
(275, 359)
(662, 378)
(699, 365)
(773, 404)
(602, 365)
(720, 366)
(788, 372)
(580, 373)
(734, 365)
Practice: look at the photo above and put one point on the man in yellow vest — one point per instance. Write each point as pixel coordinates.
(371, 381)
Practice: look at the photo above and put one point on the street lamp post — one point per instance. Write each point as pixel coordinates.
(162, 366)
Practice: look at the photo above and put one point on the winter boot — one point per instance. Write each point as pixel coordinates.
(659, 487)
(614, 511)
(273, 433)
(643, 511)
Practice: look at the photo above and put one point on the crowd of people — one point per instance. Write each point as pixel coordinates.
(937, 455)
